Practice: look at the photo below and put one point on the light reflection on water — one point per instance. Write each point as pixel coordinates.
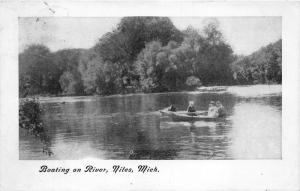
(129, 127)
(256, 131)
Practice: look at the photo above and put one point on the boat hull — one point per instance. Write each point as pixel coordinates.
(182, 117)
(170, 113)
(185, 116)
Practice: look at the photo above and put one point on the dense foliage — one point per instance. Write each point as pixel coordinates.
(30, 119)
(262, 66)
(38, 72)
(30, 116)
(146, 54)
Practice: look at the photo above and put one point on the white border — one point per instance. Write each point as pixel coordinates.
(174, 175)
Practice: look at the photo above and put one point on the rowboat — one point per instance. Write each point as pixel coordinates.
(191, 116)
(165, 112)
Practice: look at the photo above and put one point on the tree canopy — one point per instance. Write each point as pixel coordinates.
(262, 66)
(38, 71)
(147, 54)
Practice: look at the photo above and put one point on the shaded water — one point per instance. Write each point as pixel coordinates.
(130, 127)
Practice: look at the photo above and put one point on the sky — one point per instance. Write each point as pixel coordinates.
(244, 34)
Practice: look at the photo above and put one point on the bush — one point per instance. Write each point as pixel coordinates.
(193, 82)
(30, 115)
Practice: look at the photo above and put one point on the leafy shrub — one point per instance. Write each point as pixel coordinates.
(30, 115)
(192, 82)
(30, 112)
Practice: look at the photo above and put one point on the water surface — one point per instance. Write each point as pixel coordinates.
(130, 127)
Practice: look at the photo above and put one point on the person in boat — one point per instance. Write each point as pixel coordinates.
(212, 110)
(221, 109)
(172, 108)
(191, 109)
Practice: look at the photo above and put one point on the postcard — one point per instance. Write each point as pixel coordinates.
(149, 96)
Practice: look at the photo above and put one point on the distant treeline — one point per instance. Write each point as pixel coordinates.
(145, 54)
(262, 66)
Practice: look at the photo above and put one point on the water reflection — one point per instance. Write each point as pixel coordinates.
(129, 127)
(256, 131)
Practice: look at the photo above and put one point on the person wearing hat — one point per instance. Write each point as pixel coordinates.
(221, 109)
(172, 108)
(212, 110)
(191, 109)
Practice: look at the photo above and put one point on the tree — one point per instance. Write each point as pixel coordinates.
(146, 54)
(145, 66)
(214, 56)
(68, 84)
(160, 69)
(181, 66)
(98, 76)
(262, 66)
(37, 71)
(90, 68)
(122, 45)
(67, 61)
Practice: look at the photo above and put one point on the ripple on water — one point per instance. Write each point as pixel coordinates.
(130, 127)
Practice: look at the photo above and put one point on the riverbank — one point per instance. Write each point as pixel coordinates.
(242, 91)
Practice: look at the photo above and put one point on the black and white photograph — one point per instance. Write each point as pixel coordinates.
(150, 88)
(150, 95)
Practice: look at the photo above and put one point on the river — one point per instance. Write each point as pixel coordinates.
(130, 127)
